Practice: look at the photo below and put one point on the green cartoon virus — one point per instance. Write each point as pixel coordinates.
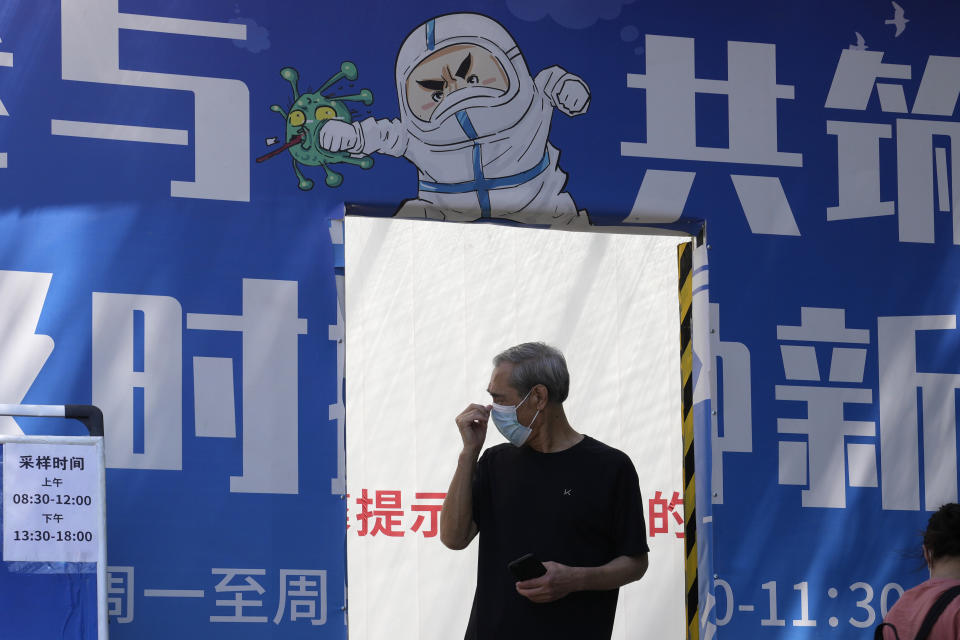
(307, 115)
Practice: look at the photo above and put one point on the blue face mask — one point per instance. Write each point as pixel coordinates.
(505, 419)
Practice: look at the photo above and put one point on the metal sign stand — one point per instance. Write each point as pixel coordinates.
(55, 499)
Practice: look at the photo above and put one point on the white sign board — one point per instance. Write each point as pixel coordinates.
(52, 503)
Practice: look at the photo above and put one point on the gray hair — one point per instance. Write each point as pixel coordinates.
(537, 363)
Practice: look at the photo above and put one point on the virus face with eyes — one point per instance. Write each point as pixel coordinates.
(307, 115)
(448, 70)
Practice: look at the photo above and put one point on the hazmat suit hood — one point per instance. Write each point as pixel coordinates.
(488, 110)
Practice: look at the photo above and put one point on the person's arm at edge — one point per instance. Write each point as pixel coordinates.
(457, 528)
(561, 580)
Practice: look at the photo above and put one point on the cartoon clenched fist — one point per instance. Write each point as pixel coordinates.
(573, 97)
(337, 135)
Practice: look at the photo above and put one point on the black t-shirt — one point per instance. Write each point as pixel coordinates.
(580, 507)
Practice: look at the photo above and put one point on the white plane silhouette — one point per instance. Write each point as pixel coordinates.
(861, 44)
(898, 20)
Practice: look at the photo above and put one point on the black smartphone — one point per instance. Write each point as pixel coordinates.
(526, 568)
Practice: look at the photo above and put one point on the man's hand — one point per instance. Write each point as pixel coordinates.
(558, 581)
(457, 527)
(472, 423)
(336, 135)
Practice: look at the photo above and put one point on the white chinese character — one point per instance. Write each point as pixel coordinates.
(825, 427)
(939, 87)
(752, 93)
(120, 594)
(303, 595)
(238, 602)
(917, 162)
(856, 75)
(924, 179)
(22, 351)
(900, 378)
(137, 370)
(137, 376)
(91, 53)
(733, 428)
(858, 72)
(858, 170)
(270, 326)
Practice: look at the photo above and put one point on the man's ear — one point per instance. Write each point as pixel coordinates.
(541, 396)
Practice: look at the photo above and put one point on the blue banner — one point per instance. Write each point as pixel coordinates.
(170, 171)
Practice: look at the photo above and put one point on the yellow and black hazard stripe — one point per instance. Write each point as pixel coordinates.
(685, 272)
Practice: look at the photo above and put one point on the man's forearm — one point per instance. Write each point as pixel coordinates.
(457, 527)
(613, 575)
(561, 579)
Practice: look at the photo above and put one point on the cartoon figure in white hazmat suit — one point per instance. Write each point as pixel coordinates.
(475, 124)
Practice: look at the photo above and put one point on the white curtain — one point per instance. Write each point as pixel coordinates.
(428, 304)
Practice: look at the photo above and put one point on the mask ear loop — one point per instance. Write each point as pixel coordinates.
(517, 406)
(534, 415)
(534, 419)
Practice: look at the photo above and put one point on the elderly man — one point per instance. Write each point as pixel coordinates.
(569, 499)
